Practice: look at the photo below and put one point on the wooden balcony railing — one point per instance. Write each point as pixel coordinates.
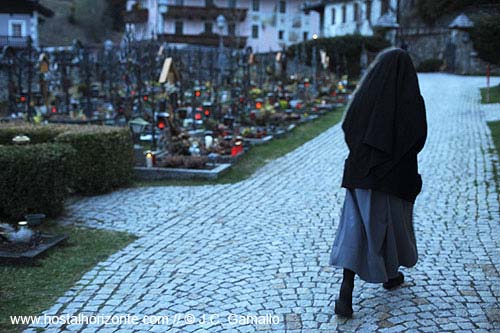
(204, 39)
(205, 13)
(16, 42)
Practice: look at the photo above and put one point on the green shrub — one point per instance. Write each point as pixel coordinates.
(104, 158)
(344, 51)
(33, 179)
(430, 65)
(485, 37)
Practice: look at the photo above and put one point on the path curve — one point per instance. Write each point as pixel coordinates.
(261, 246)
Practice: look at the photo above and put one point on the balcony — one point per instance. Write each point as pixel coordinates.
(136, 16)
(15, 42)
(318, 6)
(205, 13)
(204, 39)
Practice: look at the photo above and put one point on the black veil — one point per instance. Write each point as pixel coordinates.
(386, 117)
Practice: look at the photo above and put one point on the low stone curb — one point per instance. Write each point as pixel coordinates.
(143, 173)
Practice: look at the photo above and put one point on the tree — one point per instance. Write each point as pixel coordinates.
(91, 16)
(344, 51)
(431, 10)
(485, 37)
(115, 11)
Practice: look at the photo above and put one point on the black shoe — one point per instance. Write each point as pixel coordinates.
(343, 305)
(343, 308)
(394, 282)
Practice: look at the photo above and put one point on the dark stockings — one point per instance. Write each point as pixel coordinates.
(343, 306)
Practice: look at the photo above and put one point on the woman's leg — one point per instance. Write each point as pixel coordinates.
(343, 305)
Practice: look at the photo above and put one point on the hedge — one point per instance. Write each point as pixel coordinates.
(33, 179)
(94, 159)
(344, 51)
(104, 158)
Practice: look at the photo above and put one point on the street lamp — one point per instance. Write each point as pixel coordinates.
(137, 126)
(220, 21)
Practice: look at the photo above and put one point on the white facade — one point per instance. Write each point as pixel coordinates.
(269, 25)
(357, 17)
(17, 27)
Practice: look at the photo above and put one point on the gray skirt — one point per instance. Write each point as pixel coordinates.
(375, 235)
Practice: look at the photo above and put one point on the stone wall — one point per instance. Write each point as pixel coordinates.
(453, 46)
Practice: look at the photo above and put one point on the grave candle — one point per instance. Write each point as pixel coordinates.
(149, 159)
(208, 141)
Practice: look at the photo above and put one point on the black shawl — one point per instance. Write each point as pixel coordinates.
(385, 128)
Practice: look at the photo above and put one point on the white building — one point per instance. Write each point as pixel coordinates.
(19, 20)
(264, 25)
(364, 17)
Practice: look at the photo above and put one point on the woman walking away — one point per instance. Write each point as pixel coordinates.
(385, 128)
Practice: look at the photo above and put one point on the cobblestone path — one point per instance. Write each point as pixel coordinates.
(261, 246)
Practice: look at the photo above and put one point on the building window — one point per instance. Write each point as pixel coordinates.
(282, 6)
(232, 3)
(384, 7)
(179, 2)
(305, 35)
(17, 28)
(179, 27)
(334, 12)
(255, 5)
(368, 10)
(255, 31)
(231, 29)
(344, 9)
(281, 34)
(208, 27)
(356, 12)
(209, 3)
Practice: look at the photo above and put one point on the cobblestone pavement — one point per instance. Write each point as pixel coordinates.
(261, 246)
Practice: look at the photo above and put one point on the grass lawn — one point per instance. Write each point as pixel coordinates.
(495, 133)
(28, 290)
(257, 156)
(494, 95)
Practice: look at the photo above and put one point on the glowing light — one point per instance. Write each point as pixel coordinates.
(149, 159)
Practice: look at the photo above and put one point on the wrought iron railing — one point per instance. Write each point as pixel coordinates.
(13, 41)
